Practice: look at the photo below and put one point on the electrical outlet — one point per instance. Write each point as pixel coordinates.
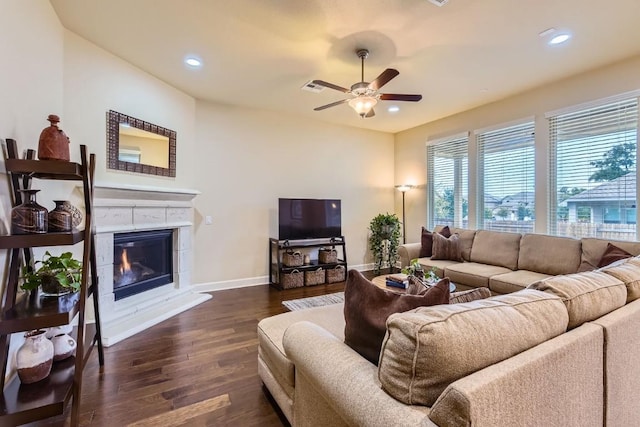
(208, 220)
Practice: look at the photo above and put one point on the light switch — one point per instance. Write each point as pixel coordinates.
(208, 220)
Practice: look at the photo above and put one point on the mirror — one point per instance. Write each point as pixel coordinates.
(134, 145)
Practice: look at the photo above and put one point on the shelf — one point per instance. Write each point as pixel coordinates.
(25, 403)
(314, 266)
(45, 169)
(293, 244)
(39, 240)
(33, 312)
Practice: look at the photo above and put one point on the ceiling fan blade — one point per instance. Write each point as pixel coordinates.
(371, 113)
(400, 97)
(330, 85)
(383, 78)
(333, 104)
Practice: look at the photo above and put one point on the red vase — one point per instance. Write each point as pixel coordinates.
(53, 144)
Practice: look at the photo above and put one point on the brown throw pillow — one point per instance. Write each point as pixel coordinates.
(612, 254)
(426, 240)
(366, 308)
(444, 248)
(470, 295)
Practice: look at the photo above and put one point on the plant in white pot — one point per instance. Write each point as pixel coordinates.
(55, 275)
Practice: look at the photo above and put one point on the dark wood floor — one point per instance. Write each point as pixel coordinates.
(197, 368)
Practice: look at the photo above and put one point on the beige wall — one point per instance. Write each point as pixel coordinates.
(410, 151)
(247, 159)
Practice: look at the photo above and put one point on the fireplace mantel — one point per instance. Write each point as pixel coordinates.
(124, 208)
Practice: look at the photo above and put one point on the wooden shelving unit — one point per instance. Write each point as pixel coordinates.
(21, 312)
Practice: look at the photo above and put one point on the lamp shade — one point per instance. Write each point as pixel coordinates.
(363, 104)
(404, 187)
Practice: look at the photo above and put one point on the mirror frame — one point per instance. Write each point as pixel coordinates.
(113, 145)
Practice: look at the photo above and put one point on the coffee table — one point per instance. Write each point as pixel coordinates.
(381, 282)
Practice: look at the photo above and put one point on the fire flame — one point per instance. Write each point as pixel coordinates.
(125, 266)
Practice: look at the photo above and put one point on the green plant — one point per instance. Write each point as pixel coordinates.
(416, 269)
(62, 271)
(384, 240)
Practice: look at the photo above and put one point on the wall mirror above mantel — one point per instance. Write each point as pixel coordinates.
(134, 145)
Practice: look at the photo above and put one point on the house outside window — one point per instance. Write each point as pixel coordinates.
(593, 155)
(448, 181)
(506, 178)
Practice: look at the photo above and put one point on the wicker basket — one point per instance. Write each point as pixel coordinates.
(292, 259)
(327, 256)
(336, 274)
(295, 279)
(314, 277)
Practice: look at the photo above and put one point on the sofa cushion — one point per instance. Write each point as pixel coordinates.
(612, 254)
(446, 248)
(628, 273)
(366, 308)
(549, 254)
(473, 274)
(514, 281)
(593, 249)
(587, 295)
(496, 248)
(439, 264)
(271, 330)
(426, 240)
(428, 348)
(466, 241)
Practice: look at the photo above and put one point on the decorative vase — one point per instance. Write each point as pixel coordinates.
(387, 231)
(34, 358)
(51, 286)
(76, 214)
(29, 217)
(63, 347)
(57, 330)
(53, 144)
(59, 219)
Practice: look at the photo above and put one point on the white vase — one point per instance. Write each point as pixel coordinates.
(34, 358)
(57, 330)
(63, 347)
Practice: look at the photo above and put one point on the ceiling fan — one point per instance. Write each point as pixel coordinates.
(366, 95)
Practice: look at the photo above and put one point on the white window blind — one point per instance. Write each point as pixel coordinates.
(593, 171)
(506, 181)
(448, 182)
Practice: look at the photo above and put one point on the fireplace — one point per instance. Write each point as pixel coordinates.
(142, 261)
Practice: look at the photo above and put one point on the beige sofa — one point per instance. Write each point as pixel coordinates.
(508, 262)
(586, 376)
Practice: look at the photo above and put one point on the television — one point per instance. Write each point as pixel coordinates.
(309, 219)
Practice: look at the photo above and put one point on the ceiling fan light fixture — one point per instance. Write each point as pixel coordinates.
(363, 104)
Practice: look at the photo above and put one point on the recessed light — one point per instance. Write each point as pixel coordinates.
(193, 62)
(393, 109)
(559, 38)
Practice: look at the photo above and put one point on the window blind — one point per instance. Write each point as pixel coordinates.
(448, 182)
(506, 178)
(593, 155)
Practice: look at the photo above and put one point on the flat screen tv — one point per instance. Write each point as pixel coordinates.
(309, 219)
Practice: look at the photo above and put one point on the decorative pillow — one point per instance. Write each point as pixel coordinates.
(428, 348)
(629, 273)
(612, 254)
(587, 295)
(444, 248)
(426, 240)
(470, 295)
(366, 308)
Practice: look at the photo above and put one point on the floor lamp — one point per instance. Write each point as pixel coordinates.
(403, 189)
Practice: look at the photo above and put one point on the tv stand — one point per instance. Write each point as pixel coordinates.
(310, 247)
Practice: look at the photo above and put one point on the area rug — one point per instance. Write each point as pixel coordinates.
(319, 301)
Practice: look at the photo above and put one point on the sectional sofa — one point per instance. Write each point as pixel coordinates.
(563, 352)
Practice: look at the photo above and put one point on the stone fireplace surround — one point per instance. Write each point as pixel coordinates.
(124, 208)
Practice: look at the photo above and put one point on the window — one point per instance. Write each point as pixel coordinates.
(506, 178)
(593, 171)
(448, 179)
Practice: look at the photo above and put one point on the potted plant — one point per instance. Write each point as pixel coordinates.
(384, 240)
(416, 269)
(56, 275)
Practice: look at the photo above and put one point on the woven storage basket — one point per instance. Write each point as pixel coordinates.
(314, 277)
(292, 259)
(336, 274)
(327, 256)
(295, 279)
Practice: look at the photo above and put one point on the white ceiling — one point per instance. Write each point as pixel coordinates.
(259, 53)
